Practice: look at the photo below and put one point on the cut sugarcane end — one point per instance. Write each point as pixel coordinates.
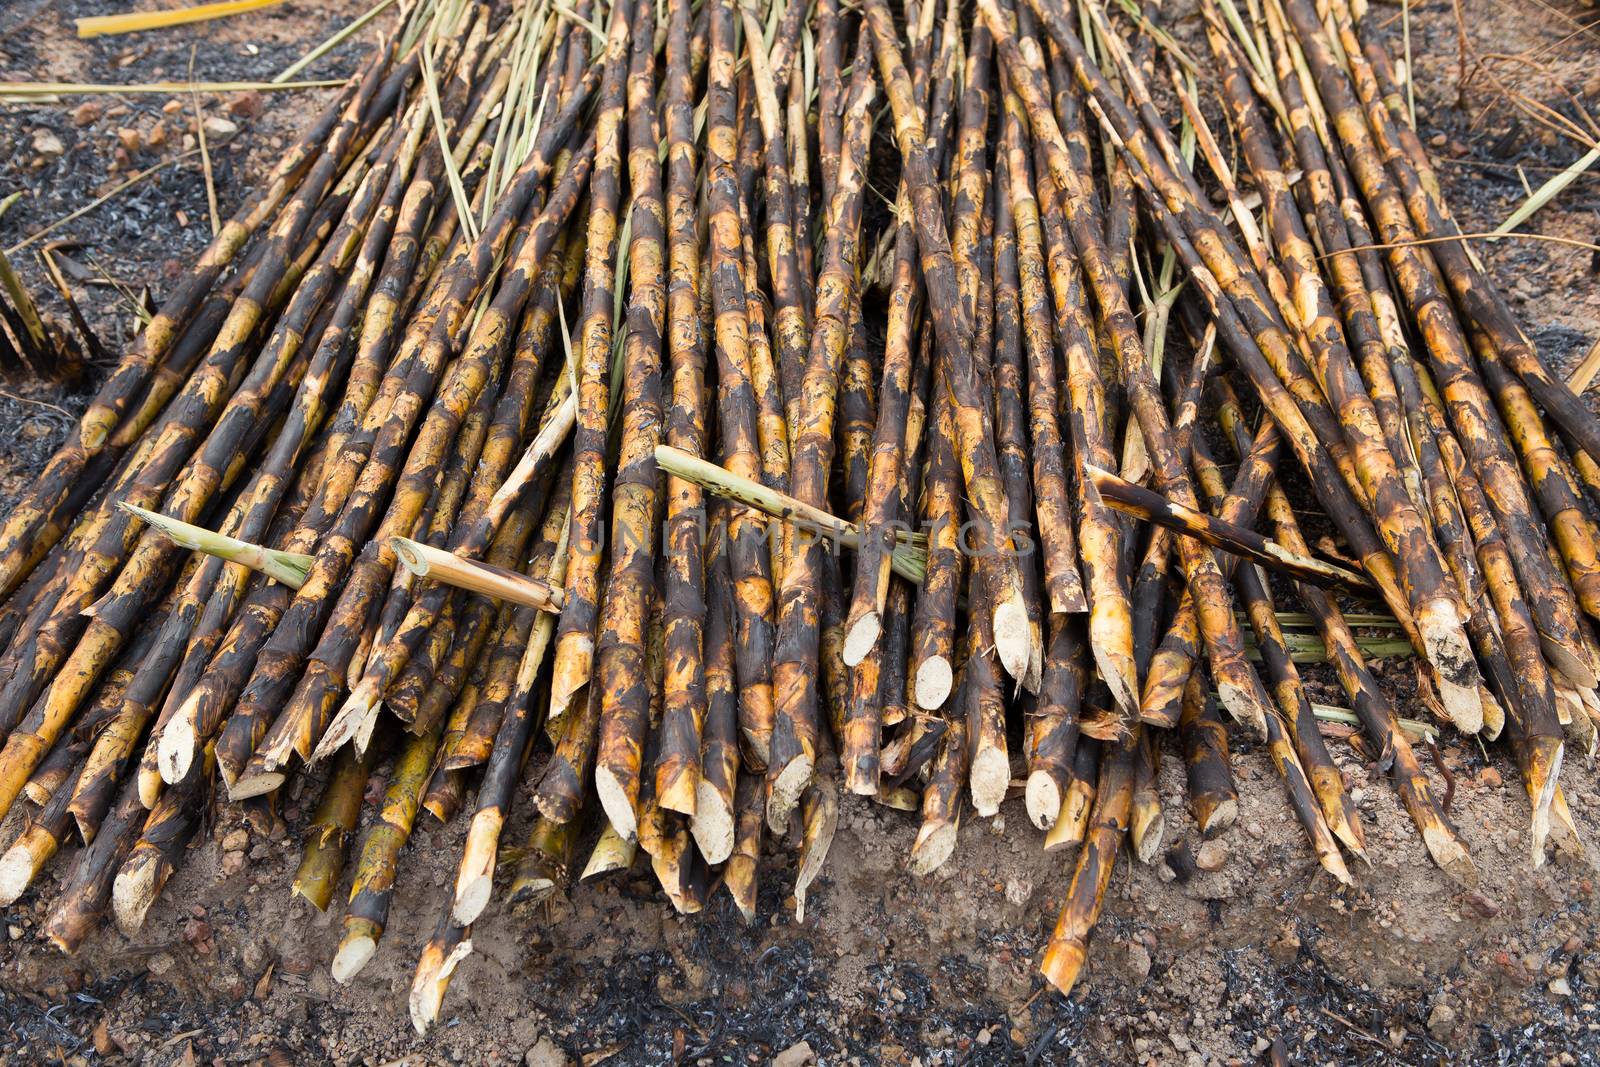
(1221, 817)
(472, 896)
(1348, 834)
(150, 785)
(1450, 856)
(1042, 797)
(787, 786)
(1147, 836)
(1334, 864)
(1242, 705)
(988, 780)
(933, 847)
(862, 782)
(1564, 832)
(1455, 671)
(132, 893)
(1013, 637)
(1118, 673)
(1578, 673)
(611, 853)
(353, 718)
(712, 824)
(355, 950)
(405, 551)
(475, 881)
(17, 871)
(933, 683)
(254, 784)
(1063, 962)
(617, 804)
(428, 988)
(1539, 835)
(861, 638)
(1072, 824)
(175, 748)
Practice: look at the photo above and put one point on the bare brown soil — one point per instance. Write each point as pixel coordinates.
(1262, 959)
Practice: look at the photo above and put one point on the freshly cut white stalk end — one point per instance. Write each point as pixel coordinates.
(354, 952)
(712, 824)
(933, 847)
(1455, 671)
(1013, 637)
(933, 683)
(1042, 797)
(475, 878)
(861, 638)
(133, 891)
(616, 802)
(785, 796)
(22, 863)
(431, 981)
(1450, 856)
(179, 739)
(988, 779)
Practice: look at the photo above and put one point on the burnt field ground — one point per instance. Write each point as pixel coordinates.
(1262, 958)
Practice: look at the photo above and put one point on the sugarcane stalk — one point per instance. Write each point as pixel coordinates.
(332, 823)
(1068, 947)
(949, 311)
(716, 759)
(450, 944)
(39, 840)
(154, 856)
(1242, 692)
(1449, 355)
(546, 861)
(1099, 534)
(796, 659)
(1051, 499)
(736, 400)
(635, 504)
(436, 564)
(1077, 798)
(684, 697)
(1236, 540)
(377, 868)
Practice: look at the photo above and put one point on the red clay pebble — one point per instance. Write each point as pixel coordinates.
(247, 105)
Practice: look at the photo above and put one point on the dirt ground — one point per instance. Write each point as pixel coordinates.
(1264, 960)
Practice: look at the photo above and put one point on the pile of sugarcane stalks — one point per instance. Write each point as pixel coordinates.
(563, 430)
